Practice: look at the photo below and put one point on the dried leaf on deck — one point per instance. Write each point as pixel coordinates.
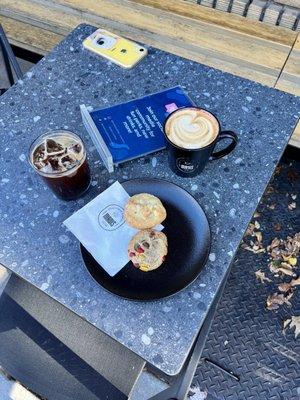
(275, 243)
(250, 229)
(258, 236)
(275, 253)
(292, 245)
(286, 286)
(292, 206)
(286, 265)
(270, 189)
(273, 266)
(261, 276)
(254, 246)
(286, 322)
(274, 301)
(291, 323)
(296, 282)
(255, 249)
(292, 175)
(277, 227)
(292, 261)
(278, 169)
(285, 250)
(257, 224)
(286, 271)
(281, 269)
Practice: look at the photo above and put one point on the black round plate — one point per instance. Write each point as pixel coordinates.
(189, 239)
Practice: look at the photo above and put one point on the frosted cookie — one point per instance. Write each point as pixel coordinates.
(148, 249)
(144, 211)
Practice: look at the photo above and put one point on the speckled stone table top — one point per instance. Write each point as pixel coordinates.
(34, 243)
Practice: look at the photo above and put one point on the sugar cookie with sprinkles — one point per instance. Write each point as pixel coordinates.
(148, 249)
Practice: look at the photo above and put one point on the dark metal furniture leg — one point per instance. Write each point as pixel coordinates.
(181, 385)
(7, 64)
(9, 56)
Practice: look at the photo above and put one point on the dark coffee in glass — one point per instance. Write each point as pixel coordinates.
(59, 157)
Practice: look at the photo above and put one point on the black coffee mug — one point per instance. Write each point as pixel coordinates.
(190, 162)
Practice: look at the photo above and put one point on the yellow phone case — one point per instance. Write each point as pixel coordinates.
(120, 51)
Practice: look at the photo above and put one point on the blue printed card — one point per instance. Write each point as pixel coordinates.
(129, 130)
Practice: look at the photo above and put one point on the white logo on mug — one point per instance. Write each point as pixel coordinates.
(184, 165)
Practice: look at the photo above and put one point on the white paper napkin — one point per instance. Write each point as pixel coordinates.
(101, 228)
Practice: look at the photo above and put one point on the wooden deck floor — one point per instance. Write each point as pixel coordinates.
(254, 50)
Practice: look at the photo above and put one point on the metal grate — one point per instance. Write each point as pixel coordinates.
(245, 338)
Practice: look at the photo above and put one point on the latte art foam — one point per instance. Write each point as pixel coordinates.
(191, 128)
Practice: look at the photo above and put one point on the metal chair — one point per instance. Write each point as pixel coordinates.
(10, 61)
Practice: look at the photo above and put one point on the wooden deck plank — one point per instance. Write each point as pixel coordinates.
(220, 31)
(269, 55)
(200, 34)
(226, 20)
(39, 15)
(289, 79)
(62, 20)
(295, 139)
(29, 37)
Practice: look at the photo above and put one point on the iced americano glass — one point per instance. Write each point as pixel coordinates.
(59, 157)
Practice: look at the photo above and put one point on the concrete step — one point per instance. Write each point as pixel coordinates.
(12, 390)
(147, 386)
(4, 276)
(5, 386)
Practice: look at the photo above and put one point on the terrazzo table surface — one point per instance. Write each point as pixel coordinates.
(34, 243)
